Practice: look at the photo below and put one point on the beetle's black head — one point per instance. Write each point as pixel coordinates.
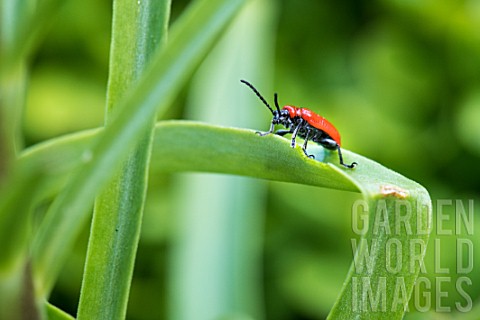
(281, 116)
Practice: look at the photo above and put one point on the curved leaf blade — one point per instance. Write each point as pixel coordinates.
(191, 146)
(194, 146)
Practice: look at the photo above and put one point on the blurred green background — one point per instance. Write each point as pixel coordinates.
(399, 79)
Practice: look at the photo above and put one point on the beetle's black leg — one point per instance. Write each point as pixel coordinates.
(272, 127)
(304, 147)
(295, 132)
(350, 166)
(328, 143)
(281, 133)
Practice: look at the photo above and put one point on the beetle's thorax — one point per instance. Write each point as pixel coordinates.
(291, 111)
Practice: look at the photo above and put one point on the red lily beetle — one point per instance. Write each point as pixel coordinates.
(304, 123)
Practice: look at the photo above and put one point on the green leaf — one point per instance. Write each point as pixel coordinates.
(54, 313)
(390, 252)
(189, 146)
(138, 29)
(193, 146)
(389, 255)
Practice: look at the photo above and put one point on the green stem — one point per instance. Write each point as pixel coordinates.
(138, 30)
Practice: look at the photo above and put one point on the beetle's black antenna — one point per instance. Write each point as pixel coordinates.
(275, 97)
(259, 95)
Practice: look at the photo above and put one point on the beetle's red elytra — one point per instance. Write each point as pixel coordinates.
(304, 123)
(315, 121)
